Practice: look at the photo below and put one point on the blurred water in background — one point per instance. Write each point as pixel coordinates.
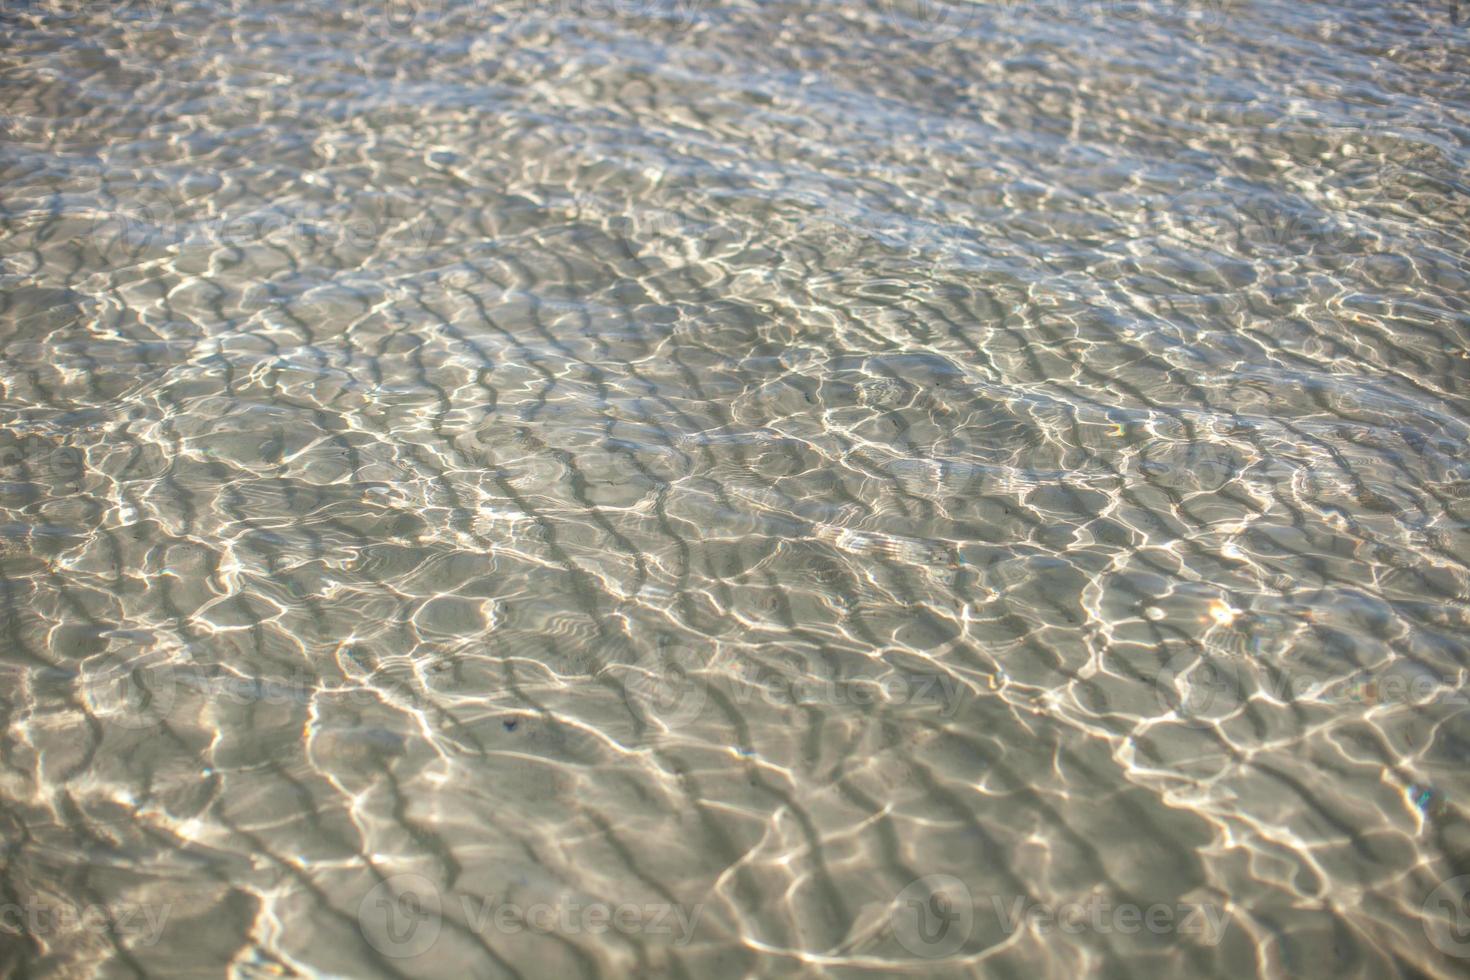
(709, 489)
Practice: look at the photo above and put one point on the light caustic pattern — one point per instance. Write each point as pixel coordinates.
(583, 488)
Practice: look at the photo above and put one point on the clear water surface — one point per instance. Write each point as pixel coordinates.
(734, 488)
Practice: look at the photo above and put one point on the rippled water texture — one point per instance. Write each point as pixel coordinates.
(713, 489)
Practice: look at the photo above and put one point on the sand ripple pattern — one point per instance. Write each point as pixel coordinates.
(786, 469)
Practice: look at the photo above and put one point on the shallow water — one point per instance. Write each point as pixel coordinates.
(711, 489)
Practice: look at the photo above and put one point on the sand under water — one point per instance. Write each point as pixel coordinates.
(727, 489)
